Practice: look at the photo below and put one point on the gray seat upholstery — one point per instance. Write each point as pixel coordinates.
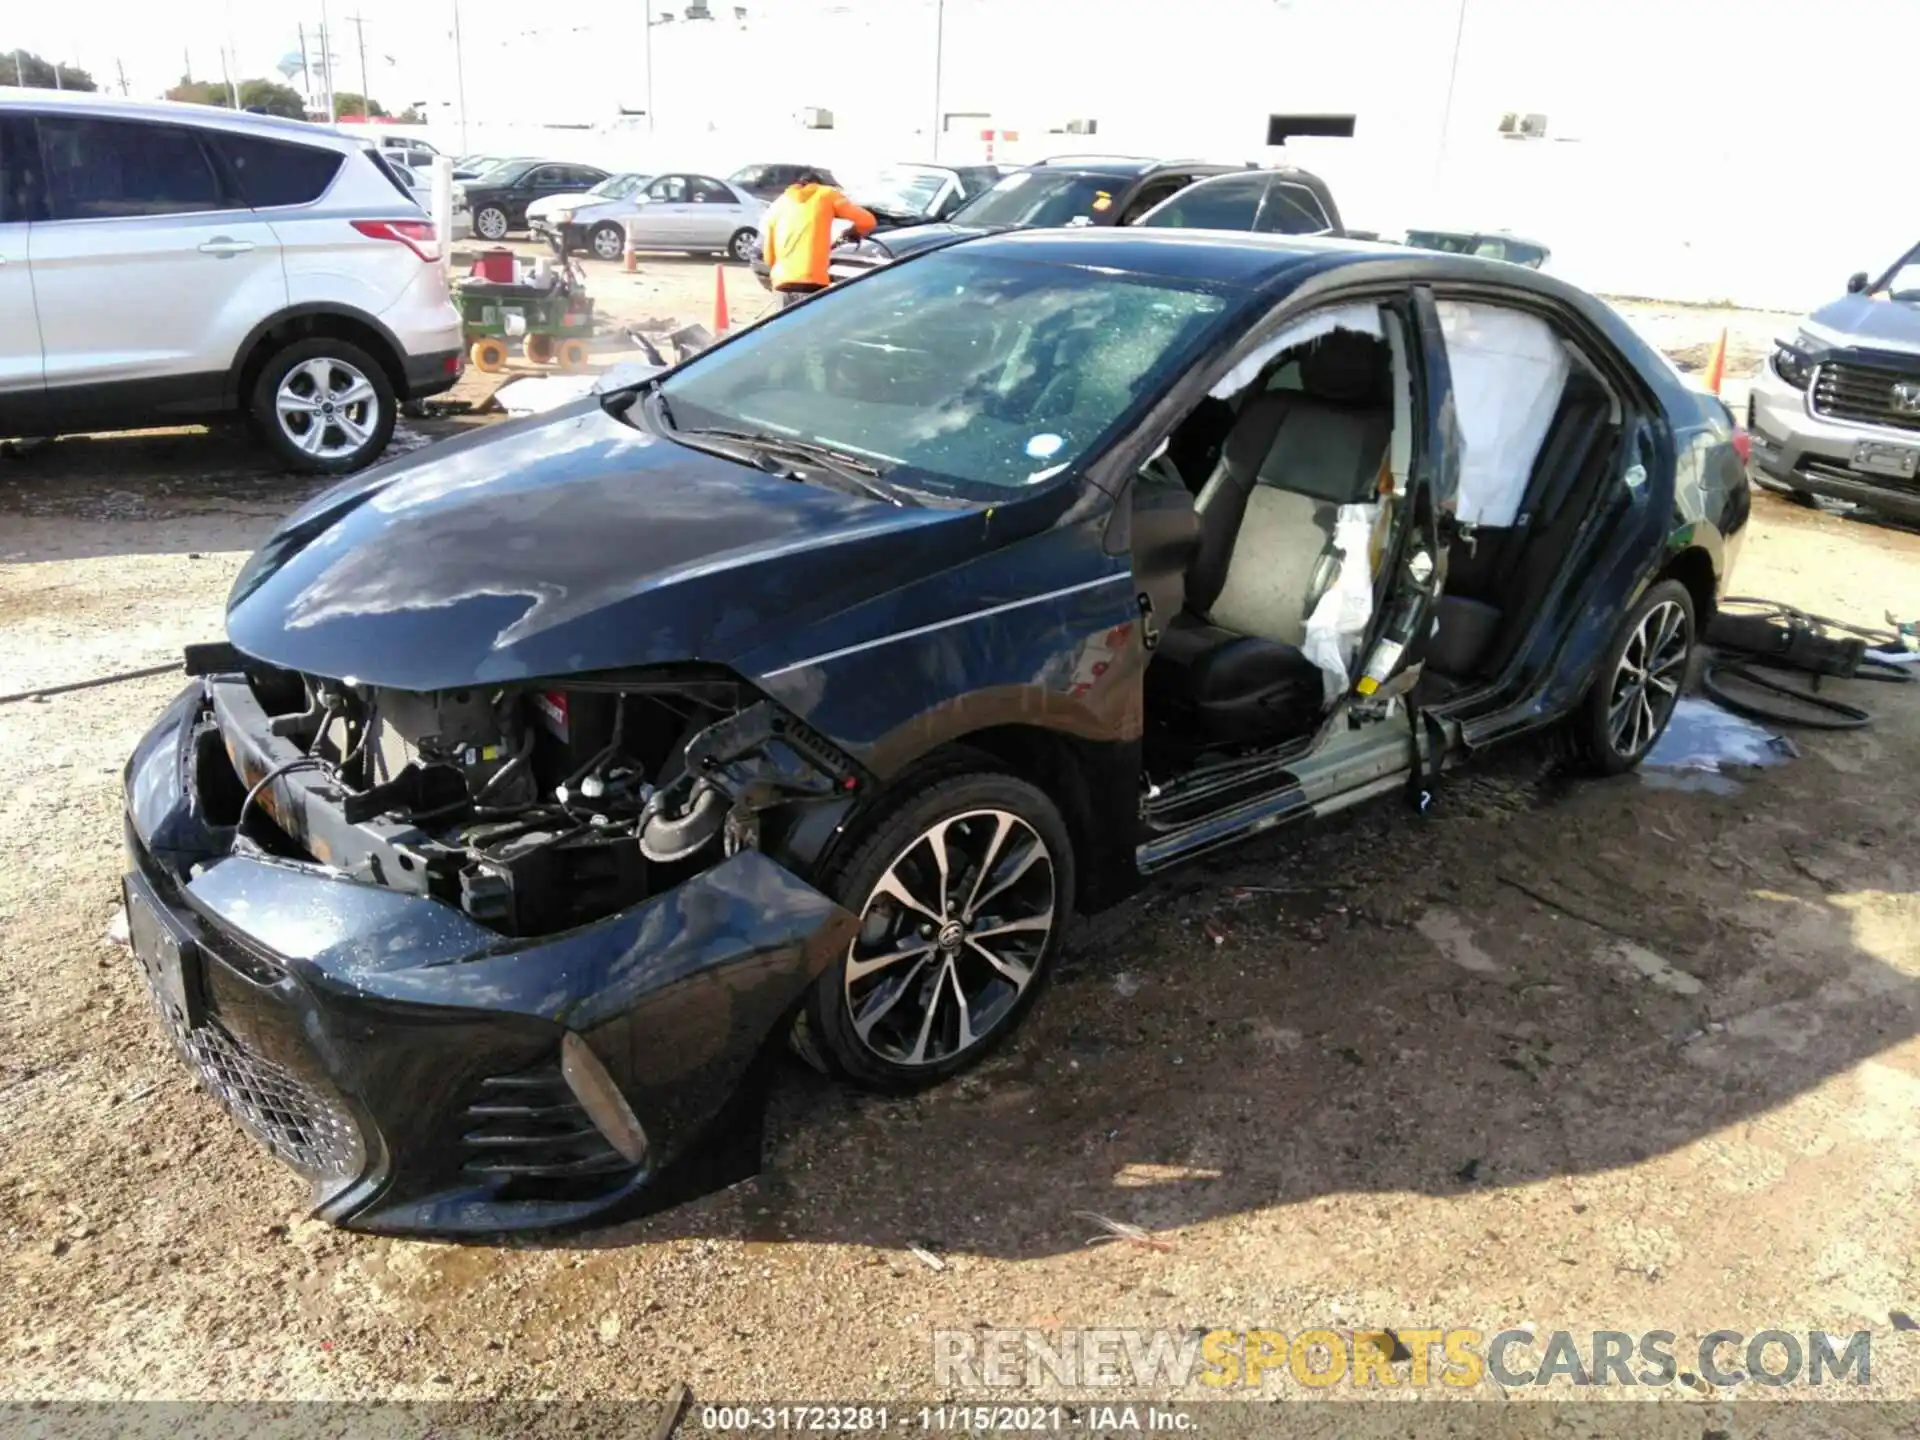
(1231, 660)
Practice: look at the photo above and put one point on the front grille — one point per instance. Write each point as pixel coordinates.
(529, 1126)
(1864, 394)
(296, 1120)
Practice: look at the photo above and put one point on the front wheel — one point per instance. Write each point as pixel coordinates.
(324, 406)
(963, 888)
(608, 242)
(744, 245)
(1638, 685)
(490, 221)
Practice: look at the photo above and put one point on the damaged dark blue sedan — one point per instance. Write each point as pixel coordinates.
(552, 781)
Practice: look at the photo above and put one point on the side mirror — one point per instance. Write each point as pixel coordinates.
(1857, 282)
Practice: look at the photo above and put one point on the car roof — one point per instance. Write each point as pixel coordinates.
(1228, 256)
(1128, 165)
(176, 112)
(1249, 260)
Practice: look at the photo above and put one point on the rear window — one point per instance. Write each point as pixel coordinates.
(381, 163)
(1294, 210)
(119, 169)
(1228, 204)
(278, 172)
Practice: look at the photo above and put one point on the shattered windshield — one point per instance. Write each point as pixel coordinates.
(1042, 198)
(957, 373)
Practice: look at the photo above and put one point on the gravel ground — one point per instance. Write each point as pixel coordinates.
(1631, 1055)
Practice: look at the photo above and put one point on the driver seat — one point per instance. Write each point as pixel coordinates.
(1229, 667)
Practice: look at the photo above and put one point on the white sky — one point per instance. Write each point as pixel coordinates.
(1729, 148)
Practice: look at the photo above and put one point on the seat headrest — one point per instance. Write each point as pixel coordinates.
(1347, 368)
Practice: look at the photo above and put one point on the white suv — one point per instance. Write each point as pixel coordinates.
(162, 264)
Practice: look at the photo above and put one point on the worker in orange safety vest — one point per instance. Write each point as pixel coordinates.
(798, 231)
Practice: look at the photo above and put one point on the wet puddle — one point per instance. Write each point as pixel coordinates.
(1703, 741)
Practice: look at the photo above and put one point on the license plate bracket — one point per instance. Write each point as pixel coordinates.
(1884, 457)
(167, 953)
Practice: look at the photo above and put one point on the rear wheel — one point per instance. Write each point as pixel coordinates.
(963, 888)
(324, 406)
(1633, 695)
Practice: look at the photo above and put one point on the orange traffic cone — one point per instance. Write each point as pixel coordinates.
(632, 261)
(721, 321)
(1717, 362)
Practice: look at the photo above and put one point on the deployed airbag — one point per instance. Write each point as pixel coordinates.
(1508, 372)
(1339, 620)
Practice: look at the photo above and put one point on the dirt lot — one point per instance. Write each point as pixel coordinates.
(1628, 1055)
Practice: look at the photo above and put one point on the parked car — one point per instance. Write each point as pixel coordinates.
(1277, 202)
(1068, 190)
(902, 195)
(1490, 245)
(680, 211)
(592, 221)
(765, 182)
(499, 198)
(548, 778)
(468, 167)
(174, 263)
(1835, 410)
(401, 150)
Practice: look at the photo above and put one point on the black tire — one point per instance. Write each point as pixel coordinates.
(490, 223)
(1594, 729)
(1803, 497)
(743, 246)
(607, 241)
(340, 454)
(970, 802)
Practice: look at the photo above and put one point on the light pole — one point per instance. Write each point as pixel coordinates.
(460, 74)
(1453, 72)
(939, 46)
(646, 45)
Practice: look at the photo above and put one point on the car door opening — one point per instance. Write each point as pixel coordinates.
(1283, 481)
(1268, 529)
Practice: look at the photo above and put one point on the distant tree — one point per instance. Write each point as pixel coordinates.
(412, 116)
(349, 103)
(202, 92)
(265, 97)
(23, 67)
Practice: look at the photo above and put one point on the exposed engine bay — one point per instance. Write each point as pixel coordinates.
(532, 809)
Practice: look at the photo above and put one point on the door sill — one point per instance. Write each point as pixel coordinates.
(1207, 809)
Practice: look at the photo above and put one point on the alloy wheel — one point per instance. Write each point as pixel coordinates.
(744, 246)
(1646, 684)
(327, 408)
(951, 936)
(608, 243)
(491, 223)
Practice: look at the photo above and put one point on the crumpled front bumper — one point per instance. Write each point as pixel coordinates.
(407, 1059)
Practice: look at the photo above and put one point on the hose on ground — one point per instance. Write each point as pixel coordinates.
(171, 667)
(1751, 636)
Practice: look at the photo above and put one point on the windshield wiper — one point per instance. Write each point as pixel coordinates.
(859, 473)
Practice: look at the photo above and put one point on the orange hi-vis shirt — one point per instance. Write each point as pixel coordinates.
(798, 231)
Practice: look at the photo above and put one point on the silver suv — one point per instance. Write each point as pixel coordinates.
(1836, 408)
(162, 264)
